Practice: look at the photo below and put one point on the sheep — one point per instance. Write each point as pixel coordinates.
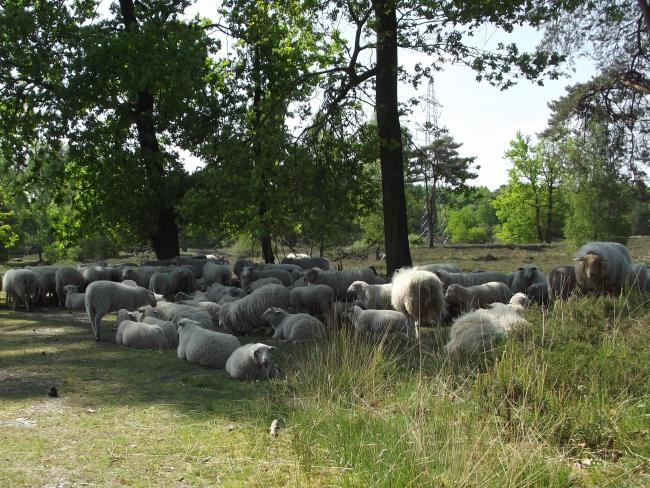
(210, 307)
(603, 266)
(216, 292)
(173, 312)
(142, 274)
(508, 315)
(67, 276)
(435, 267)
(538, 293)
(340, 281)
(251, 362)
(140, 335)
(263, 282)
(20, 285)
(168, 328)
(295, 327)
(472, 279)
(561, 282)
(204, 347)
(375, 297)
(379, 322)
(95, 272)
(130, 283)
(183, 279)
(306, 262)
(250, 274)
(526, 276)
(638, 278)
(74, 300)
(228, 299)
(312, 299)
(418, 295)
(477, 296)
(196, 264)
(162, 284)
(215, 273)
(245, 314)
(521, 300)
(46, 279)
(240, 264)
(198, 296)
(103, 297)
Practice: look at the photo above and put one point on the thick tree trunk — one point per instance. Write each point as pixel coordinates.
(390, 138)
(165, 236)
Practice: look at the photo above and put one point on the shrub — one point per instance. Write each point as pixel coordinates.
(416, 240)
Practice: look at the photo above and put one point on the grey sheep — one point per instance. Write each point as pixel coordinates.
(340, 281)
(174, 312)
(74, 300)
(252, 362)
(526, 276)
(240, 264)
(95, 272)
(168, 328)
(379, 322)
(20, 285)
(216, 292)
(103, 297)
(538, 293)
(603, 266)
(183, 279)
(418, 295)
(312, 299)
(306, 262)
(638, 278)
(130, 283)
(250, 274)
(162, 284)
(67, 276)
(472, 279)
(245, 314)
(46, 280)
(142, 274)
(263, 282)
(435, 267)
(376, 297)
(294, 270)
(216, 273)
(204, 347)
(196, 264)
(561, 282)
(477, 296)
(294, 327)
(210, 307)
(140, 335)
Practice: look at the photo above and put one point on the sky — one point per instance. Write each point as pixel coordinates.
(481, 117)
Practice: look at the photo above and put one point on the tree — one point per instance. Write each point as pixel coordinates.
(472, 219)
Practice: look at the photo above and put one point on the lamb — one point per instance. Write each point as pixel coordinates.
(379, 322)
(67, 276)
(216, 273)
(245, 314)
(20, 285)
(312, 299)
(340, 281)
(472, 279)
(103, 297)
(603, 266)
(561, 282)
(139, 335)
(638, 278)
(477, 296)
(204, 347)
(376, 297)
(435, 267)
(538, 293)
(263, 282)
(250, 274)
(251, 362)
(295, 327)
(162, 284)
(167, 327)
(526, 276)
(174, 312)
(418, 295)
(306, 262)
(73, 299)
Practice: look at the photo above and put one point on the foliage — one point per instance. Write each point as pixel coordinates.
(416, 240)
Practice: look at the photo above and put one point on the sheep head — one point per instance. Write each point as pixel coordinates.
(593, 266)
(261, 355)
(311, 275)
(70, 289)
(273, 315)
(358, 288)
(246, 276)
(452, 294)
(520, 299)
(151, 297)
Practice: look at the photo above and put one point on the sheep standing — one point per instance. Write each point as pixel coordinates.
(526, 276)
(295, 327)
(477, 296)
(20, 285)
(340, 281)
(435, 267)
(312, 299)
(67, 276)
(204, 347)
(162, 284)
(46, 279)
(561, 282)
(95, 272)
(306, 262)
(216, 273)
(379, 322)
(376, 297)
(418, 295)
(245, 314)
(74, 300)
(472, 279)
(139, 335)
(240, 264)
(603, 266)
(251, 362)
(250, 274)
(103, 297)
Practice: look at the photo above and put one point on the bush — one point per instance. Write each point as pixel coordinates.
(93, 247)
(416, 240)
(54, 253)
(245, 246)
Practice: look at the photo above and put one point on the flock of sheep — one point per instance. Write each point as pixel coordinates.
(200, 305)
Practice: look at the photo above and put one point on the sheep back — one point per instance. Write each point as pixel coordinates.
(204, 347)
(603, 266)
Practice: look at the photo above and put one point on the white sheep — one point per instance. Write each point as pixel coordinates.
(204, 347)
(20, 285)
(245, 314)
(95, 272)
(379, 322)
(74, 300)
(174, 312)
(376, 297)
(210, 307)
(521, 300)
(295, 327)
(477, 296)
(103, 297)
(472, 279)
(526, 276)
(67, 276)
(312, 299)
(603, 266)
(140, 335)
(340, 281)
(136, 316)
(216, 273)
(251, 362)
(418, 295)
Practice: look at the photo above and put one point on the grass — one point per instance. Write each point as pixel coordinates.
(565, 402)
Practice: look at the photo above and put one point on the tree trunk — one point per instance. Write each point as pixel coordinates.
(390, 138)
(165, 236)
(267, 249)
(538, 219)
(549, 213)
(433, 216)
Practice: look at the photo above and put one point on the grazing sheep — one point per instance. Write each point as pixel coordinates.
(418, 295)
(340, 281)
(638, 278)
(142, 274)
(477, 296)
(312, 299)
(561, 282)
(103, 297)
(379, 322)
(240, 264)
(20, 285)
(538, 293)
(376, 297)
(216, 273)
(472, 279)
(245, 314)
(162, 284)
(295, 327)
(435, 267)
(250, 274)
(306, 262)
(67, 276)
(73, 299)
(526, 276)
(140, 335)
(173, 312)
(204, 347)
(251, 362)
(603, 266)
(263, 282)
